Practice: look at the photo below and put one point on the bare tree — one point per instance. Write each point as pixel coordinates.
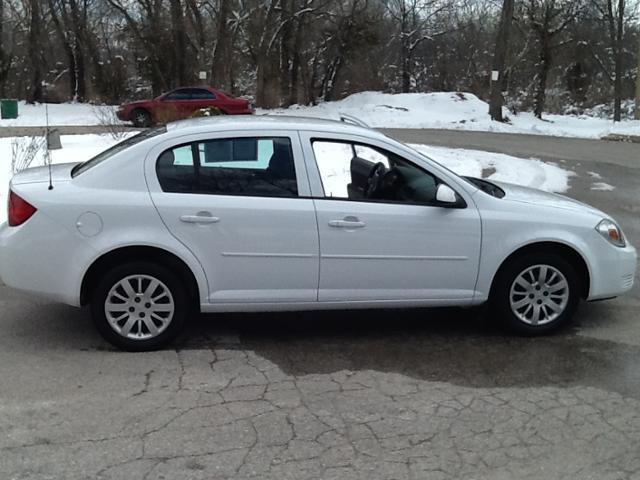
(70, 20)
(548, 19)
(165, 55)
(304, 51)
(416, 22)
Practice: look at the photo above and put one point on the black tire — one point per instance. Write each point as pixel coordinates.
(174, 284)
(501, 293)
(141, 118)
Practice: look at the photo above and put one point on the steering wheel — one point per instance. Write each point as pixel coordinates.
(375, 177)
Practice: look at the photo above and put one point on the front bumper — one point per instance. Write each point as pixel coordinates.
(613, 272)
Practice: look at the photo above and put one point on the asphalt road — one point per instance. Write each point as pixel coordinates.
(624, 154)
(424, 394)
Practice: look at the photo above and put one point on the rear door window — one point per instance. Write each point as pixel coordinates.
(234, 166)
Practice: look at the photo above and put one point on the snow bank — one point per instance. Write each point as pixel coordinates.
(502, 168)
(455, 111)
(448, 110)
(59, 114)
(602, 186)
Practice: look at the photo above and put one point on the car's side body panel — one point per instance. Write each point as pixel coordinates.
(265, 253)
(401, 252)
(506, 229)
(80, 226)
(259, 249)
(166, 108)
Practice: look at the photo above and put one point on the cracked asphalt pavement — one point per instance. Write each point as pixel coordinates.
(420, 394)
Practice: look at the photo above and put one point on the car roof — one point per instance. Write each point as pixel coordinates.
(267, 122)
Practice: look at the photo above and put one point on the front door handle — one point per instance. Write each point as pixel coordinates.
(347, 222)
(200, 217)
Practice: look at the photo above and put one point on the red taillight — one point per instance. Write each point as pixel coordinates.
(19, 210)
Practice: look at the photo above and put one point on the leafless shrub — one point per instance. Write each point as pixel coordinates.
(107, 118)
(24, 150)
(206, 112)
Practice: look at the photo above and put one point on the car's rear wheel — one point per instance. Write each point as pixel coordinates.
(139, 306)
(140, 118)
(537, 293)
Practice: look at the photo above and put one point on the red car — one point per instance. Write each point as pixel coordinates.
(181, 103)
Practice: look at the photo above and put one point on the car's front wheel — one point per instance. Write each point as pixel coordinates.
(141, 118)
(139, 306)
(537, 293)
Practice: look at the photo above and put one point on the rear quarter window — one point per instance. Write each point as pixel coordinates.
(117, 148)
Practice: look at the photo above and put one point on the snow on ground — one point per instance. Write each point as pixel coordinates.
(531, 173)
(501, 168)
(75, 148)
(59, 114)
(443, 110)
(455, 111)
(602, 186)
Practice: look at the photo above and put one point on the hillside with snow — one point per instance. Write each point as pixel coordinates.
(441, 110)
(455, 111)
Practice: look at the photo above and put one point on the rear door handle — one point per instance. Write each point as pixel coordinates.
(200, 217)
(348, 222)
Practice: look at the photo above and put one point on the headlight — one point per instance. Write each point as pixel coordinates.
(611, 232)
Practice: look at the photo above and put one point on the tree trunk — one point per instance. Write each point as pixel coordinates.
(285, 51)
(267, 88)
(179, 76)
(79, 32)
(638, 85)
(295, 64)
(72, 67)
(405, 51)
(405, 61)
(618, 52)
(543, 74)
(34, 48)
(5, 56)
(221, 68)
(81, 90)
(499, 61)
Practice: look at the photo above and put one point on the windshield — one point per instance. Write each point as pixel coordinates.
(117, 148)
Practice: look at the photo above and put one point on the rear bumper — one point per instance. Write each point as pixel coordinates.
(613, 272)
(41, 257)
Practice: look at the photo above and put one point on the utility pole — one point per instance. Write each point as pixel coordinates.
(499, 59)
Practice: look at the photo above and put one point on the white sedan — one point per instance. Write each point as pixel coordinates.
(277, 213)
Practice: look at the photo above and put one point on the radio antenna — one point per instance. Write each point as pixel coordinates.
(47, 154)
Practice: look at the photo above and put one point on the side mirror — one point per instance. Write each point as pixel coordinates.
(447, 197)
(445, 194)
